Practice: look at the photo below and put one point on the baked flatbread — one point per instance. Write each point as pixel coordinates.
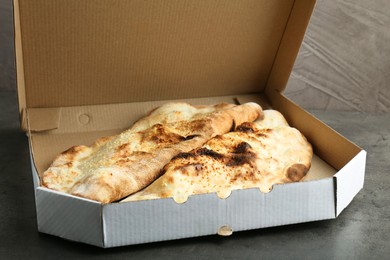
(116, 166)
(258, 154)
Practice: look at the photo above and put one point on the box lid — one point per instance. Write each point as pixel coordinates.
(89, 52)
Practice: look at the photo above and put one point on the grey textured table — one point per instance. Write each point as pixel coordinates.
(361, 231)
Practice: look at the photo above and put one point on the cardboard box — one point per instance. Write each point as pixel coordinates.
(89, 68)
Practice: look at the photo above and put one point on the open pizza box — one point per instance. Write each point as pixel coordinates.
(87, 69)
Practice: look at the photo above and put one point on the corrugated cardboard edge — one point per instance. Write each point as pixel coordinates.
(349, 181)
(289, 45)
(20, 83)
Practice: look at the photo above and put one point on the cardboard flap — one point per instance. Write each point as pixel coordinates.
(43, 119)
(289, 45)
(347, 187)
(91, 52)
(327, 143)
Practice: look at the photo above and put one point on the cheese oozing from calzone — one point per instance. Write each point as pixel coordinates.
(116, 166)
(259, 154)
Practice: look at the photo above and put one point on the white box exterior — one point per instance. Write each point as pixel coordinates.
(129, 223)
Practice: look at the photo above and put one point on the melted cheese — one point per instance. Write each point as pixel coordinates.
(114, 167)
(79, 162)
(258, 154)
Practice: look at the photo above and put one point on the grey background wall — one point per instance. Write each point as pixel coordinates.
(343, 64)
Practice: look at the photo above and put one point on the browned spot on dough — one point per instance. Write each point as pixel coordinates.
(122, 161)
(103, 140)
(164, 194)
(162, 171)
(296, 172)
(241, 155)
(246, 175)
(189, 137)
(246, 127)
(69, 164)
(242, 147)
(182, 169)
(198, 166)
(122, 147)
(197, 125)
(183, 156)
(233, 126)
(159, 135)
(240, 159)
(170, 179)
(141, 154)
(217, 137)
(263, 132)
(72, 150)
(209, 153)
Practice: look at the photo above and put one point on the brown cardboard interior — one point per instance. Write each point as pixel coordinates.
(131, 51)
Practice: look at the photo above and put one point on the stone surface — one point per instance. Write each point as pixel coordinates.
(343, 62)
(360, 232)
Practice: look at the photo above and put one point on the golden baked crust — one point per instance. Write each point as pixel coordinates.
(258, 154)
(116, 166)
